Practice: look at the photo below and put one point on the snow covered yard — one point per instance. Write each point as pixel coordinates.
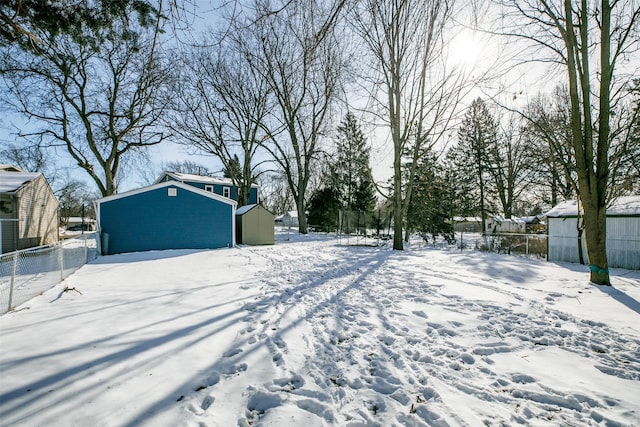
(310, 333)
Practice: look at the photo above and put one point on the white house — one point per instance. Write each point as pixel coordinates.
(499, 225)
(623, 233)
(289, 219)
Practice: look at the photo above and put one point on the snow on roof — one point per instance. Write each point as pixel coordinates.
(467, 219)
(503, 219)
(80, 219)
(244, 209)
(199, 178)
(530, 219)
(12, 181)
(622, 206)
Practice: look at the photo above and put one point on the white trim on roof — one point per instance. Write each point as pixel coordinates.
(182, 177)
(178, 184)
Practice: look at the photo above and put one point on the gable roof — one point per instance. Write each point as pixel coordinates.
(621, 206)
(178, 184)
(10, 182)
(244, 209)
(10, 168)
(187, 177)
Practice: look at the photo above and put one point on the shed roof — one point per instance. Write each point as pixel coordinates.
(198, 178)
(621, 206)
(179, 184)
(244, 209)
(13, 181)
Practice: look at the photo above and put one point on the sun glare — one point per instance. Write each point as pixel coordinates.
(465, 49)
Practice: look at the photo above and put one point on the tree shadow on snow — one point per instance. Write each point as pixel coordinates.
(359, 260)
(619, 296)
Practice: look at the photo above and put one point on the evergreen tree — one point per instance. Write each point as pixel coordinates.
(430, 206)
(351, 169)
(323, 208)
(462, 185)
(233, 170)
(478, 132)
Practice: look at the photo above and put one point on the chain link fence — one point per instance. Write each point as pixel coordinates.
(29, 272)
(534, 245)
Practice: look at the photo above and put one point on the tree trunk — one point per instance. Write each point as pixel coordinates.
(302, 216)
(591, 183)
(397, 201)
(595, 227)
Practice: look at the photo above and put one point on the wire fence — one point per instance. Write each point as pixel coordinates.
(29, 272)
(534, 245)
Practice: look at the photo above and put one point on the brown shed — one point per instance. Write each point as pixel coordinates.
(254, 226)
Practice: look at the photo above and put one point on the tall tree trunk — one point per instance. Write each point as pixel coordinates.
(592, 183)
(397, 199)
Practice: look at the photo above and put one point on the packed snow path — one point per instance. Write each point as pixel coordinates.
(310, 333)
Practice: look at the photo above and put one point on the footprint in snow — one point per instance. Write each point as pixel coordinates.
(232, 352)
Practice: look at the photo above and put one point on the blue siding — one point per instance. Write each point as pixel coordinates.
(218, 189)
(155, 221)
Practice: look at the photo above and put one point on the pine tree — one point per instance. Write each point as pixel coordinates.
(351, 169)
(323, 208)
(478, 132)
(430, 206)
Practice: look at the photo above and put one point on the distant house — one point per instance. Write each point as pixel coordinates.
(254, 226)
(167, 215)
(467, 223)
(28, 210)
(221, 186)
(499, 225)
(77, 222)
(288, 219)
(623, 233)
(533, 224)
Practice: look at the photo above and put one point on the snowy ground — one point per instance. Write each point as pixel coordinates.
(310, 333)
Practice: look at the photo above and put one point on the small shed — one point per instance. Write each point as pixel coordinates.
(168, 215)
(623, 233)
(28, 210)
(254, 226)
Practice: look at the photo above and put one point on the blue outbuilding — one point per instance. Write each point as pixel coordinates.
(167, 215)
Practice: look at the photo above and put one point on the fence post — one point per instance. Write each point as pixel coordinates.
(61, 261)
(14, 270)
(527, 245)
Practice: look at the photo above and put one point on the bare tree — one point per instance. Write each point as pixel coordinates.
(509, 166)
(294, 50)
(220, 108)
(413, 93)
(574, 34)
(548, 130)
(275, 193)
(96, 93)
